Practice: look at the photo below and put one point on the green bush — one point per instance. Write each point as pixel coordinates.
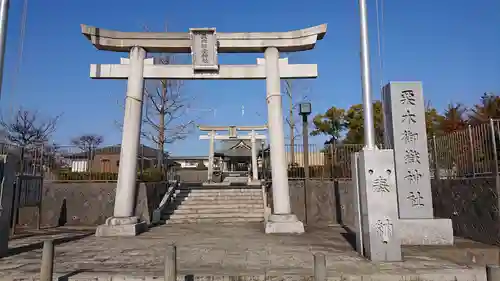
(148, 175)
(151, 175)
(86, 176)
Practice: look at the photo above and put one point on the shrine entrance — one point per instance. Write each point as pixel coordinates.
(205, 45)
(237, 153)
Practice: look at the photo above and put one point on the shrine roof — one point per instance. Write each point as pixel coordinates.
(232, 148)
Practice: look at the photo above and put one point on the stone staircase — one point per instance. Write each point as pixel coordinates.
(215, 204)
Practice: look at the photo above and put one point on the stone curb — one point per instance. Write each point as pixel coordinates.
(472, 274)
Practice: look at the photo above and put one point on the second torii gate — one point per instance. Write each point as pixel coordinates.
(232, 134)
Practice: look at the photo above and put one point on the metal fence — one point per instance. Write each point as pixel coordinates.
(469, 153)
(325, 162)
(71, 163)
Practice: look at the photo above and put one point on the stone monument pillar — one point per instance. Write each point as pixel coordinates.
(377, 220)
(281, 221)
(123, 222)
(405, 129)
(7, 169)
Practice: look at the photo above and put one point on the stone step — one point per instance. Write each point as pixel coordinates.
(255, 190)
(222, 197)
(219, 215)
(218, 211)
(232, 201)
(215, 205)
(230, 191)
(215, 220)
(193, 215)
(222, 206)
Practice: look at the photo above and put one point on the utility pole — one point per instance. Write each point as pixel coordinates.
(366, 79)
(4, 15)
(291, 122)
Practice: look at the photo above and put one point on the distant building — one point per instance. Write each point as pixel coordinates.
(316, 158)
(189, 161)
(107, 159)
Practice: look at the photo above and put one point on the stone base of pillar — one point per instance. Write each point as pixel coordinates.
(121, 226)
(425, 231)
(284, 224)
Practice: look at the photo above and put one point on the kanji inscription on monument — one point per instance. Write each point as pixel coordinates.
(204, 49)
(404, 120)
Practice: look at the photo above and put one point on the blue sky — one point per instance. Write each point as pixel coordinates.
(453, 46)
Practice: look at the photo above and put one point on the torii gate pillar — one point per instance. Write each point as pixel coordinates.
(282, 220)
(123, 222)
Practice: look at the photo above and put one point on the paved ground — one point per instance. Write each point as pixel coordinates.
(230, 250)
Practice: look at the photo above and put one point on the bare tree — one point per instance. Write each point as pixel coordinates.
(166, 104)
(27, 129)
(165, 119)
(88, 144)
(290, 90)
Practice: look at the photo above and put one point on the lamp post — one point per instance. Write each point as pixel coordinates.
(304, 111)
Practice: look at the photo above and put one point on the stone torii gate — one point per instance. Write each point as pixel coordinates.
(232, 134)
(204, 44)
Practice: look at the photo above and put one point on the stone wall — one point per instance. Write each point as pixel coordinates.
(88, 203)
(192, 175)
(328, 202)
(472, 204)
(345, 203)
(196, 176)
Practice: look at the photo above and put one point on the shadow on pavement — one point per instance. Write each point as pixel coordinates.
(39, 245)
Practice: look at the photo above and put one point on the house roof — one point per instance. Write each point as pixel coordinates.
(188, 158)
(144, 151)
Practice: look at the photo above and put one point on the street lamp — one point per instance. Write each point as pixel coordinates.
(304, 111)
(305, 108)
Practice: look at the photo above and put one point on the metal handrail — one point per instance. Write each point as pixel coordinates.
(165, 201)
